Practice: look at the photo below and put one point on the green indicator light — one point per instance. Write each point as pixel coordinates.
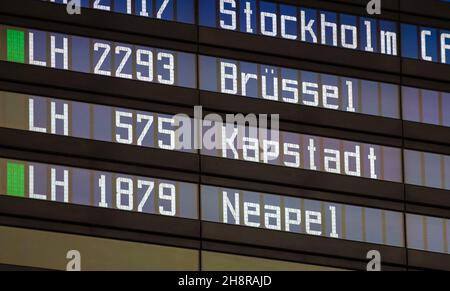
(16, 46)
(15, 182)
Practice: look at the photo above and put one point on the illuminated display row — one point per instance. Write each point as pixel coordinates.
(223, 75)
(176, 132)
(219, 139)
(294, 23)
(148, 129)
(222, 205)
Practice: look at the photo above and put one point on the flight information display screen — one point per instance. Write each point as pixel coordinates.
(219, 139)
(95, 56)
(252, 19)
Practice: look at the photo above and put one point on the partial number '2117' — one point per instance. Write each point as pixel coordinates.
(160, 7)
(124, 6)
